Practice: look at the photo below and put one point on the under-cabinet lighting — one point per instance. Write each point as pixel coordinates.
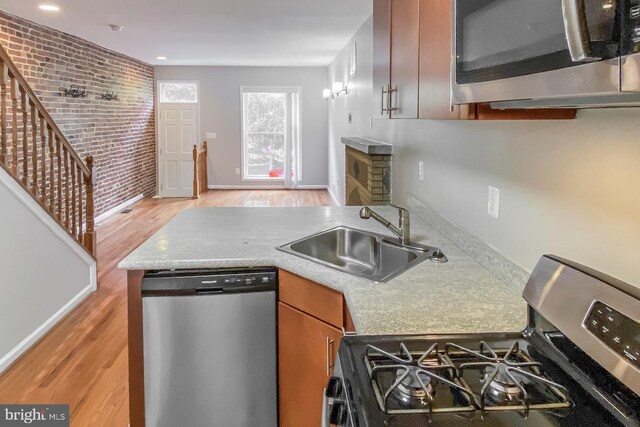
(49, 7)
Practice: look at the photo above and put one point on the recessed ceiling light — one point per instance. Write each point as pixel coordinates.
(161, 58)
(116, 28)
(49, 7)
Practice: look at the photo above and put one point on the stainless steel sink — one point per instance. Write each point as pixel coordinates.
(361, 253)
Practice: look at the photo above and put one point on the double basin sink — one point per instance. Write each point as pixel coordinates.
(364, 254)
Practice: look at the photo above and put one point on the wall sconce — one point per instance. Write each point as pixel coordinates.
(337, 89)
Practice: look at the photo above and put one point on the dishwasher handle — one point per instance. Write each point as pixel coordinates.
(209, 291)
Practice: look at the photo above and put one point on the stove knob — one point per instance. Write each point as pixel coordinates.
(338, 414)
(334, 387)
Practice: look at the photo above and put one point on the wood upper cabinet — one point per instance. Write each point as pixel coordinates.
(310, 318)
(396, 39)
(381, 56)
(435, 62)
(412, 52)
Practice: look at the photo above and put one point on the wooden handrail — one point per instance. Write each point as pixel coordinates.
(22, 83)
(200, 175)
(41, 159)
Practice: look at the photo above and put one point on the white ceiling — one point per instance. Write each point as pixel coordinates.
(209, 32)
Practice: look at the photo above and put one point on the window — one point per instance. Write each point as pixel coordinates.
(270, 140)
(178, 92)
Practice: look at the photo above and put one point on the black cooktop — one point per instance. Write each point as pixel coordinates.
(525, 379)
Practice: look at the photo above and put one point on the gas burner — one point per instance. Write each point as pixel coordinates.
(411, 386)
(504, 386)
(505, 379)
(404, 383)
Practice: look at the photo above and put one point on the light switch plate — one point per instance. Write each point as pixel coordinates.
(421, 170)
(237, 171)
(494, 202)
(211, 135)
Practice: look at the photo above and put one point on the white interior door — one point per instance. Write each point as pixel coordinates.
(178, 132)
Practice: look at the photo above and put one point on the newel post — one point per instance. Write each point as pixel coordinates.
(196, 190)
(89, 234)
(206, 166)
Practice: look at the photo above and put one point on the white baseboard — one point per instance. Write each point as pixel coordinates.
(333, 197)
(36, 335)
(119, 208)
(265, 187)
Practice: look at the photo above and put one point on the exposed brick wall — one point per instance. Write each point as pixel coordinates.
(119, 134)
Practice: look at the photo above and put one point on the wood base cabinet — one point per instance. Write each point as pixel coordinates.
(307, 349)
(310, 322)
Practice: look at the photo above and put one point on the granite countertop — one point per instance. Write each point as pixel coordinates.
(367, 146)
(457, 297)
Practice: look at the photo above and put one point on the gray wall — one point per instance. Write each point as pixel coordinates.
(567, 187)
(45, 273)
(220, 112)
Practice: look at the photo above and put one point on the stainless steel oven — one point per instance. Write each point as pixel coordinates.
(546, 52)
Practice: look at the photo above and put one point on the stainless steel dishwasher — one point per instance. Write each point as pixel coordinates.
(210, 348)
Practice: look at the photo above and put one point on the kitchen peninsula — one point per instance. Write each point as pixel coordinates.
(459, 296)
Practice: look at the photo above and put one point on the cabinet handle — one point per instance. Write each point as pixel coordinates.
(390, 106)
(382, 106)
(329, 363)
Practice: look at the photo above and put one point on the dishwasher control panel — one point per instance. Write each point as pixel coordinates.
(198, 282)
(240, 279)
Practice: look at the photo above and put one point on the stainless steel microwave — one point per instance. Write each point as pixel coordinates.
(546, 53)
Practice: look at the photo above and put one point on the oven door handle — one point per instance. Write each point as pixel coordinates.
(325, 409)
(576, 30)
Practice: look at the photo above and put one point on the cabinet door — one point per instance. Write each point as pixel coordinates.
(307, 349)
(405, 47)
(435, 61)
(381, 56)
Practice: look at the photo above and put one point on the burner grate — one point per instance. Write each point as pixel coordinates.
(504, 377)
(415, 380)
(460, 380)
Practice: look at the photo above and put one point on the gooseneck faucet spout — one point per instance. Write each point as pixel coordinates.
(402, 231)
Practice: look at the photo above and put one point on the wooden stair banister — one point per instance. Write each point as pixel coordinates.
(200, 174)
(35, 152)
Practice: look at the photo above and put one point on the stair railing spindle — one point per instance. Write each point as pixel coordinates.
(89, 235)
(3, 113)
(59, 169)
(25, 137)
(14, 126)
(43, 164)
(34, 149)
(52, 169)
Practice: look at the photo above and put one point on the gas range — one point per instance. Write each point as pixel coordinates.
(576, 364)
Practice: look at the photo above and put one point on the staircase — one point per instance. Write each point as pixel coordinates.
(37, 155)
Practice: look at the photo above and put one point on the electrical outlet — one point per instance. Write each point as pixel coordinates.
(237, 171)
(494, 202)
(421, 170)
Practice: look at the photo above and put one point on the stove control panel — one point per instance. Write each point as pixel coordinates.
(617, 331)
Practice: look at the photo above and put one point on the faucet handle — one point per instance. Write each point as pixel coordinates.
(400, 208)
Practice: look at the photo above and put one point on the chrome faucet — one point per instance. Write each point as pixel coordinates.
(402, 231)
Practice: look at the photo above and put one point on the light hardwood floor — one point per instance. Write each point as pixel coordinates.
(83, 360)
